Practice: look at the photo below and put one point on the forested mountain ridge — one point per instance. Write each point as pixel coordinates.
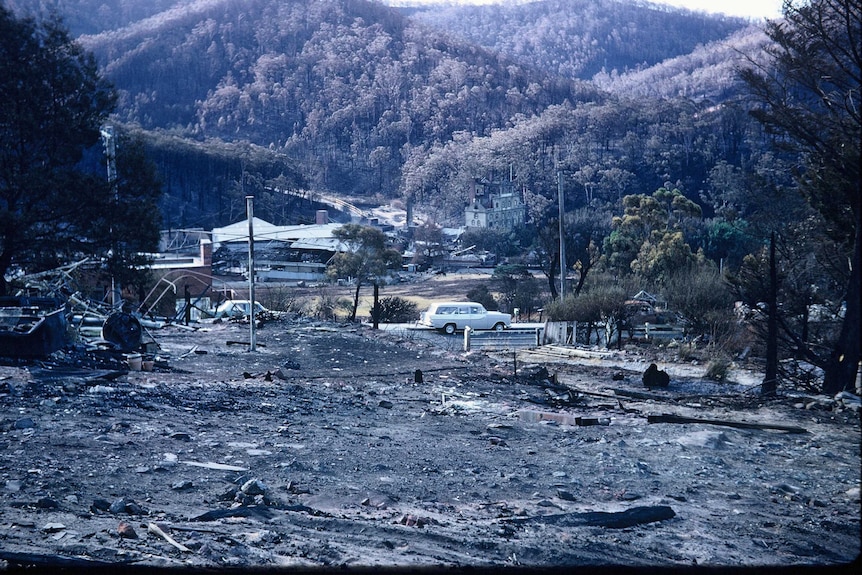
(94, 16)
(349, 92)
(580, 38)
(344, 88)
(709, 72)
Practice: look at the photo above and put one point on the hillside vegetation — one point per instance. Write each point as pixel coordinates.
(355, 97)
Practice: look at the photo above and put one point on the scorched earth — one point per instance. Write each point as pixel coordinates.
(325, 447)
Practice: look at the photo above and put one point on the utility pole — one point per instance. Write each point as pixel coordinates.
(107, 133)
(249, 208)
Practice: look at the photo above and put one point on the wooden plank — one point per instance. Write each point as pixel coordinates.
(670, 418)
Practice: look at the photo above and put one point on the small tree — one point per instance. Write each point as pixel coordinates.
(702, 296)
(649, 236)
(808, 94)
(428, 242)
(515, 284)
(128, 226)
(481, 294)
(600, 306)
(585, 230)
(54, 103)
(365, 257)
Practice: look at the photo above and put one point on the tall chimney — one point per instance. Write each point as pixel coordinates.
(206, 252)
(322, 217)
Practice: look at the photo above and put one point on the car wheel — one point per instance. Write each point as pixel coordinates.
(449, 328)
(499, 327)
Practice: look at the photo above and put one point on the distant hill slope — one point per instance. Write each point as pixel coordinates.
(341, 85)
(708, 73)
(94, 16)
(580, 38)
(344, 92)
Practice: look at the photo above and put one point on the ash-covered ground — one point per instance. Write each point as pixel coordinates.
(322, 449)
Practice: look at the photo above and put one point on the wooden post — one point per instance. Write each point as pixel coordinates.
(375, 309)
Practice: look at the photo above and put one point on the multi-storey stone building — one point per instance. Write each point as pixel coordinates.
(495, 205)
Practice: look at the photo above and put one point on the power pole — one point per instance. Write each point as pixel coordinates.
(110, 142)
(249, 208)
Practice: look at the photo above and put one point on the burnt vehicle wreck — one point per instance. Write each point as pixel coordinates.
(48, 318)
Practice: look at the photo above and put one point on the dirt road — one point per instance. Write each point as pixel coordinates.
(323, 448)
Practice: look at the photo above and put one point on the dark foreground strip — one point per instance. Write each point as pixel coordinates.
(611, 520)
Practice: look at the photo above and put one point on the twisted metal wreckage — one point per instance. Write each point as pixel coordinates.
(47, 315)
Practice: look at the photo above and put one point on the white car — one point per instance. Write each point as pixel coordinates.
(454, 316)
(237, 308)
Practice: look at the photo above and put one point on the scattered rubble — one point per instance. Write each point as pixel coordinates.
(326, 448)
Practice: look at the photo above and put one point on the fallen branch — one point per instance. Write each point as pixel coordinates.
(669, 418)
(610, 520)
(153, 528)
(248, 511)
(231, 342)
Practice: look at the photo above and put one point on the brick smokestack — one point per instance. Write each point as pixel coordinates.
(206, 252)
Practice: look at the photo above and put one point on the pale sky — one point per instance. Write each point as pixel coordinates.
(745, 8)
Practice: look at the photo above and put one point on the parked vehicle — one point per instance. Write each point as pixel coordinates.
(450, 317)
(237, 308)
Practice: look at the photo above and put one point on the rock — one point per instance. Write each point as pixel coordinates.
(14, 485)
(253, 487)
(100, 505)
(181, 436)
(53, 527)
(228, 495)
(534, 372)
(47, 503)
(565, 495)
(654, 377)
(124, 505)
(385, 404)
(24, 423)
(182, 485)
(118, 506)
(133, 508)
(412, 521)
(126, 531)
(618, 376)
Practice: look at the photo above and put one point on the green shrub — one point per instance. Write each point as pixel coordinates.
(397, 310)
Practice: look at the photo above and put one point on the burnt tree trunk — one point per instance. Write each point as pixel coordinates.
(840, 372)
(770, 378)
